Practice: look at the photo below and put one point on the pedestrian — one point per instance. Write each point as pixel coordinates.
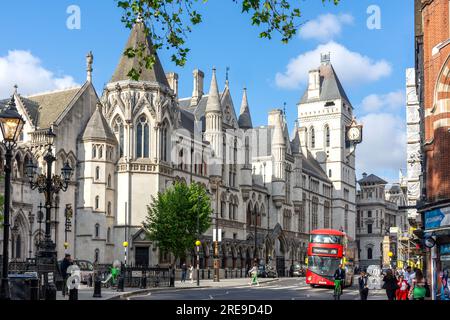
(402, 291)
(183, 272)
(339, 274)
(363, 281)
(254, 274)
(390, 284)
(409, 276)
(191, 273)
(418, 290)
(65, 264)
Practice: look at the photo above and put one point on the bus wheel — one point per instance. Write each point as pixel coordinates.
(312, 285)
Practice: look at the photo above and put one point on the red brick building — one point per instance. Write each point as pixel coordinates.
(433, 72)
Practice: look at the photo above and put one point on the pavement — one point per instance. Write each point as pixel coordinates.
(229, 289)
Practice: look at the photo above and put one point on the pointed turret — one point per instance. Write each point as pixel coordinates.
(295, 144)
(98, 128)
(245, 119)
(213, 104)
(138, 38)
(278, 137)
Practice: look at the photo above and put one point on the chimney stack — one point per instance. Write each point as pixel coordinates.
(197, 93)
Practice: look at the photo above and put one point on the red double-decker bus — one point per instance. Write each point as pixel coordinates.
(327, 249)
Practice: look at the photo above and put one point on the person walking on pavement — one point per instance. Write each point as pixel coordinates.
(363, 281)
(183, 272)
(254, 274)
(402, 291)
(409, 276)
(390, 284)
(418, 290)
(191, 273)
(65, 264)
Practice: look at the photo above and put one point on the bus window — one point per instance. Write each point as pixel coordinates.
(325, 238)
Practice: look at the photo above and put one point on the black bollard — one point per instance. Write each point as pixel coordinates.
(50, 292)
(97, 288)
(209, 273)
(34, 289)
(144, 281)
(121, 284)
(73, 294)
(203, 273)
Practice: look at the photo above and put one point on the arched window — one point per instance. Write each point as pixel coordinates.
(230, 211)
(315, 215)
(94, 151)
(235, 207)
(97, 230)
(223, 207)
(346, 218)
(97, 202)
(109, 208)
(109, 181)
(142, 138)
(96, 255)
(327, 136)
(164, 142)
(369, 254)
(100, 152)
(97, 173)
(120, 134)
(326, 215)
(312, 137)
(18, 247)
(108, 235)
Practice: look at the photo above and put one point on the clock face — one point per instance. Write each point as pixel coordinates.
(354, 134)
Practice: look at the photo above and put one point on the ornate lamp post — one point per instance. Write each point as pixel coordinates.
(30, 234)
(49, 185)
(68, 214)
(11, 124)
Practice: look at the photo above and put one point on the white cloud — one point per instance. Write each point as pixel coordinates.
(384, 102)
(325, 27)
(22, 68)
(351, 67)
(383, 150)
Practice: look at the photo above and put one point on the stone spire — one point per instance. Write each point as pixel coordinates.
(89, 69)
(278, 137)
(213, 104)
(138, 37)
(98, 128)
(245, 119)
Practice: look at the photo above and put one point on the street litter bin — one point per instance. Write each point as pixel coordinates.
(23, 286)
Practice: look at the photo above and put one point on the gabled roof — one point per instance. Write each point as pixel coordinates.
(98, 128)
(330, 86)
(372, 179)
(136, 39)
(311, 167)
(51, 105)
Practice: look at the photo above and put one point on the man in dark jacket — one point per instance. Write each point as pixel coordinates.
(339, 274)
(363, 285)
(65, 264)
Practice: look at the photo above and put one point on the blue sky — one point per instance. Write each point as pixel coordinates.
(370, 63)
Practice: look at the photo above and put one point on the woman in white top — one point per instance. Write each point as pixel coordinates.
(191, 273)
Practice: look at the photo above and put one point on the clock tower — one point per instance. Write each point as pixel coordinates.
(326, 115)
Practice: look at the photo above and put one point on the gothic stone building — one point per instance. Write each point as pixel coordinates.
(139, 137)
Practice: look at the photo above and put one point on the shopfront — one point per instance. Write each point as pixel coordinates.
(437, 239)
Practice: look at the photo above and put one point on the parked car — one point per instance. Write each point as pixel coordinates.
(267, 271)
(298, 270)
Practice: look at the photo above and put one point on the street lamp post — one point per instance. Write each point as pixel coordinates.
(11, 123)
(49, 185)
(30, 234)
(68, 214)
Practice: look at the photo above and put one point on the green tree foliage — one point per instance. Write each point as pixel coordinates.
(172, 217)
(169, 22)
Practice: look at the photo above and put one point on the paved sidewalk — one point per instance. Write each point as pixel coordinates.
(86, 293)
